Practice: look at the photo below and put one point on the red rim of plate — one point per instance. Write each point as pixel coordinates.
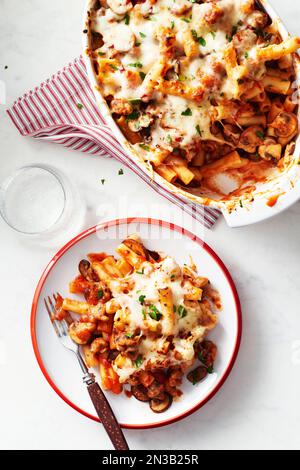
(128, 221)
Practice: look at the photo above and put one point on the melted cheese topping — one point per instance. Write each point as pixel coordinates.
(139, 28)
(185, 82)
(181, 329)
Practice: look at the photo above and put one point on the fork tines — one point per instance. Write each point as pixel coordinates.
(60, 327)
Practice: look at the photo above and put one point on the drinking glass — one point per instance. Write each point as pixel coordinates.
(40, 203)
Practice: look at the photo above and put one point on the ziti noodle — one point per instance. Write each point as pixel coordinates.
(198, 88)
(143, 323)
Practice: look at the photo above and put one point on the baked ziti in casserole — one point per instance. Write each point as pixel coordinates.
(144, 322)
(198, 87)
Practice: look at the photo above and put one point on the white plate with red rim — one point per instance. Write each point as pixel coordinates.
(60, 367)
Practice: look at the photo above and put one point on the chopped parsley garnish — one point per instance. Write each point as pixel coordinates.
(134, 115)
(142, 75)
(182, 78)
(79, 106)
(186, 20)
(102, 182)
(174, 308)
(182, 311)
(201, 358)
(140, 272)
(169, 139)
(263, 34)
(154, 313)
(114, 67)
(241, 203)
(199, 39)
(172, 24)
(145, 147)
(234, 30)
(127, 19)
(142, 299)
(121, 172)
(246, 55)
(210, 369)
(142, 35)
(101, 54)
(213, 34)
(172, 277)
(195, 381)
(137, 65)
(198, 130)
(260, 134)
(144, 313)
(100, 294)
(187, 112)
(129, 335)
(138, 362)
(135, 101)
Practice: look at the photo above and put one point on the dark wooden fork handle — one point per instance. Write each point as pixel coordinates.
(107, 417)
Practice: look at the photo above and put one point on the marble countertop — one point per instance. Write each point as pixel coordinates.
(258, 407)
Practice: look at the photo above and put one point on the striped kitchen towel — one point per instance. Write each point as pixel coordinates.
(63, 110)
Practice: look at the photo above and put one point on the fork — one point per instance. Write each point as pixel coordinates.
(98, 398)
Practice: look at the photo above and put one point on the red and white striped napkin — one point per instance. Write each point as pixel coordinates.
(51, 112)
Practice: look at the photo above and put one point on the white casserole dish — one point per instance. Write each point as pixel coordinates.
(283, 187)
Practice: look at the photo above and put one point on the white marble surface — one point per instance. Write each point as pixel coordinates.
(259, 405)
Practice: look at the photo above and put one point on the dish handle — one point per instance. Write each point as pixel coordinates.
(261, 209)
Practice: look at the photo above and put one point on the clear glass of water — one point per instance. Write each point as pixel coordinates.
(40, 203)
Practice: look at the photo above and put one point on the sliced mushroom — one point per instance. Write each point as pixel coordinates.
(155, 389)
(207, 352)
(232, 133)
(136, 246)
(251, 138)
(285, 124)
(159, 406)
(140, 393)
(96, 41)
(197, 375)
(84, 267)
(154, 255)
(87, 271)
